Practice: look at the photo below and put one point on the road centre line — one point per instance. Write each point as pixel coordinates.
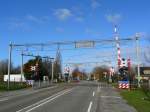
(110, 97)
(48, 101)
(98, 88)
(90, 106)
(44, 101)
(93, 93)
(39, 90)
(3, 99)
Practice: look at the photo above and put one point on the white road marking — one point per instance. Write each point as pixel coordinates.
(40, 101)
(110, 97)
(4, 99)
(23, 94)
(98, 88)
(36, 91)
(90, 106)
(93, 93)
(44, 101)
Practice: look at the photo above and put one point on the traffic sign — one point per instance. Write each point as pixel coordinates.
(33, 68)
(123, 84)
(84, 44)
(67, 69)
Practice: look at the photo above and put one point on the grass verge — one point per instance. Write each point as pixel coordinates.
(135, 98)
(13, 86)
(115, 85)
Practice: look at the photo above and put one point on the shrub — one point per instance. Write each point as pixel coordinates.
(146, 88)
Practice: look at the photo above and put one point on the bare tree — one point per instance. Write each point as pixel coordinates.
(16, 70)
(57, 65)
(3, 67)
(98, 72)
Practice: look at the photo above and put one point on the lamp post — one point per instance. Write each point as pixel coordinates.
(21, 66)
(52, 77)
(138, 60)
(9, 65)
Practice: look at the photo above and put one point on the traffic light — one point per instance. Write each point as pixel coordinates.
(37, 66)
(123, 70)
(129, 64)
(123, 62)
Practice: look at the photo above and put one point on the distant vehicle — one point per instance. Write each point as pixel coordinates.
(88, 79)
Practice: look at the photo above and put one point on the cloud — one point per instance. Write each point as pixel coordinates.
(78, 10)
(144, 35)
(91, 32)
(63, 14)
(32, 18)
(88, 31)
(95, 4)
(35, 19)
(113, 18)
(17, 24)
(77, 13)
(59, 29)
(79, 19)
(24, 23)
(147, 55)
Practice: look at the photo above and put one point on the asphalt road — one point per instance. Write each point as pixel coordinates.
(82, 98)
(75, 97)
(78, 97)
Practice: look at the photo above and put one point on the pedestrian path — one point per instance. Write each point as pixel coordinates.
(15, 93)
(111, 101)
(22, 92)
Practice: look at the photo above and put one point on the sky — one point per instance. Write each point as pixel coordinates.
(40, 21)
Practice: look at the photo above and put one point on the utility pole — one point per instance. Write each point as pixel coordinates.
(52, 77)
(138, 60)
(9, 64)
(118, 48)
(21, 66)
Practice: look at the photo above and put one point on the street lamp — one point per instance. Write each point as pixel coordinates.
(22, 67)
(9, 64)
(138, 59)
(52, 61)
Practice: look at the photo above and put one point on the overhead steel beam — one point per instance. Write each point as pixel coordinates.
(68, 42)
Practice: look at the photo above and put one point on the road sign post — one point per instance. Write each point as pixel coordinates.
(52, 72)
(52, 69)
(21, 66)
(9, 64)
(138, 61)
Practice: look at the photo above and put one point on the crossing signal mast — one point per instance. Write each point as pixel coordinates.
(118, 46)
(122, 62)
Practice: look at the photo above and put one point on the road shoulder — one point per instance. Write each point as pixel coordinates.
(111, 101)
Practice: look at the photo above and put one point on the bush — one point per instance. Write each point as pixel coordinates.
(13, 86)
(145, 88)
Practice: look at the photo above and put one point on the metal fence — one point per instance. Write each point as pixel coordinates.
(41, 84)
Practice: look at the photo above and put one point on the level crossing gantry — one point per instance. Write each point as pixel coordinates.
(76, 44)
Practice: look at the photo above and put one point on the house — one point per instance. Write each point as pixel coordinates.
(15, 78)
